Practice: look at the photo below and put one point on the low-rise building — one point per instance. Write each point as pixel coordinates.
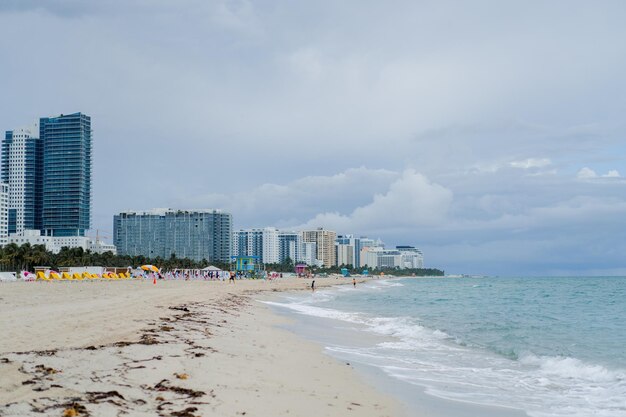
(55, 243)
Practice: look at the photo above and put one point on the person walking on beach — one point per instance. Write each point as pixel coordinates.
(354, 282)
(313, 286)
(232, 278)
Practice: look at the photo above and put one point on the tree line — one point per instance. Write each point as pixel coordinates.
(288, 266)
(26, 257)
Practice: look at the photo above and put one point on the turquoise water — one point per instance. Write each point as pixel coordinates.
(549, 346)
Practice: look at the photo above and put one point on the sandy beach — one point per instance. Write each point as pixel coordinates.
(177, 348)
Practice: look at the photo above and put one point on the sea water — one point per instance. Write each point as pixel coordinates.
(548, 346)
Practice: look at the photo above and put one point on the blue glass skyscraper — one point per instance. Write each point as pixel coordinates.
(66, 174)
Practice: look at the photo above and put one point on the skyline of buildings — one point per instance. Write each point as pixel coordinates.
(45, 184)
(46, 198)
(273, 246)
(47, 167)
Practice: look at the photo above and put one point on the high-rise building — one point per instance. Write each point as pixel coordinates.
(271, 252)
(4, 213)
(66, 174)
(412, 257)
(248, 242)
(348, 250)
(309, 254)
(345, 254)
(268, 244)
(22, 170)
(290, 246)
(194, 234)
(325, 242)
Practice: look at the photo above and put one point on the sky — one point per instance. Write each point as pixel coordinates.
(491, 134)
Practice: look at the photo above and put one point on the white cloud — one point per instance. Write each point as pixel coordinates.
(531, 163)
(588, 173)
(411, 201)
(294, 202)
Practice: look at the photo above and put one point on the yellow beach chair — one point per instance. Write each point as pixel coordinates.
(42, 276)
(55, 276)
(77, 276)
(67, 276)
(94, 276)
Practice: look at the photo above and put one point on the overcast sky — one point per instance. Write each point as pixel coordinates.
(491, 134)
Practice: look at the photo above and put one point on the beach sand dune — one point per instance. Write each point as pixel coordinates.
(177, 348)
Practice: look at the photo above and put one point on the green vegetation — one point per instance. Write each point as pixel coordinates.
(418, 272)
(288, 266)
(26, 257)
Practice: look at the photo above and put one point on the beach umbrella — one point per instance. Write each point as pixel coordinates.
(150, 268)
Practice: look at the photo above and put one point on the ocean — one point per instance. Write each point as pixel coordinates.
(550, 346)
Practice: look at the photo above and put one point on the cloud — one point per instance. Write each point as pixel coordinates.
(586, 173)
(411, 201)
(462, 120)
(293, 202)
(531, 163)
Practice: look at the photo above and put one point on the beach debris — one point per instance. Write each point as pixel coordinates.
(164, 386)
(146, 339)
(49, 352)
(70, 412)
(46, 370)
(187, 412)
(190, 326)
(74, 410)
(180, 308)
(97, 396)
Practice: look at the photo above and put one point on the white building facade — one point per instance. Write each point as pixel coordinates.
(22, 170)
(271, 249)
(55, 243)
(345, 254)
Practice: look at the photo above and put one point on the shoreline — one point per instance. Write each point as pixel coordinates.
(331, 333)
(183, 348)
